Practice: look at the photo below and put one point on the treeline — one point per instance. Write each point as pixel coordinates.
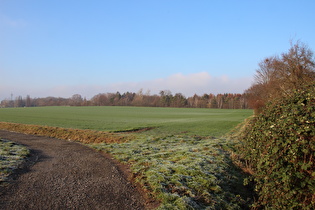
(164, 99)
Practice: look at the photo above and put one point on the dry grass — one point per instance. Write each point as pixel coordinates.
(235, 134)
(84, 136)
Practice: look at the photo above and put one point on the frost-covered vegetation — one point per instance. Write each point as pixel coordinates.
(11, 156)
(184, 172)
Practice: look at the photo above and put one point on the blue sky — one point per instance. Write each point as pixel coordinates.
(63, 47)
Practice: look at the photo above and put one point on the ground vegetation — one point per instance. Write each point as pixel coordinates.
(11, 156)
(168, 159)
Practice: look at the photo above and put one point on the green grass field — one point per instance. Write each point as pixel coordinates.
(203, 122)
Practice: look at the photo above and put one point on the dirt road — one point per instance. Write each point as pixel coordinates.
(66, 175)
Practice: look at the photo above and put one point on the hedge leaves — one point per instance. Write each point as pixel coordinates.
(279, 145)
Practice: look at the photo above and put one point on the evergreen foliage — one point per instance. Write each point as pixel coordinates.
(279, 146)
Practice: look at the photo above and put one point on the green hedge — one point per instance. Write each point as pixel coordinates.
(279, 146)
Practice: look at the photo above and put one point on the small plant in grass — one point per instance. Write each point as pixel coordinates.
(183, 172)
(11, 156)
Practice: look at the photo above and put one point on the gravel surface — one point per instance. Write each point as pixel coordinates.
(65, 175)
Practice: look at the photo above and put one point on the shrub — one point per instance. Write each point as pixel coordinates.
(279, 146)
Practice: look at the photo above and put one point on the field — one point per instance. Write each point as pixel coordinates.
(183, 161)
(202, 122)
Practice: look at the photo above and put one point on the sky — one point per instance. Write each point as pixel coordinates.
(64, 47)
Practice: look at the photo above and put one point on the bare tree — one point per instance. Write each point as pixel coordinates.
(76, 100)
(278, 76)
(19, 102)
(297, 66)
(28, 101)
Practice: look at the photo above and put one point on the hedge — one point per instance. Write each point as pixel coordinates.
(279, 146)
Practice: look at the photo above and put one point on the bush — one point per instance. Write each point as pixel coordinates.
(279, 146)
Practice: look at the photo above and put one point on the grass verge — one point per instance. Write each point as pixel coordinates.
(84, 136)
(184, 172)
(11, 156)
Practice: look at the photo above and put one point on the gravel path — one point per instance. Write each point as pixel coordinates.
(66, 175)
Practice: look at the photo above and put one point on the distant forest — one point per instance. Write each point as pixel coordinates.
(164, 99)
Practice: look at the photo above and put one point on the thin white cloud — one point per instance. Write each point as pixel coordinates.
(188, 85)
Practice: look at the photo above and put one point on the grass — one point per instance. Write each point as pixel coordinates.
(184, 172)
(11, 156)
(202, 122)
(183, 162)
